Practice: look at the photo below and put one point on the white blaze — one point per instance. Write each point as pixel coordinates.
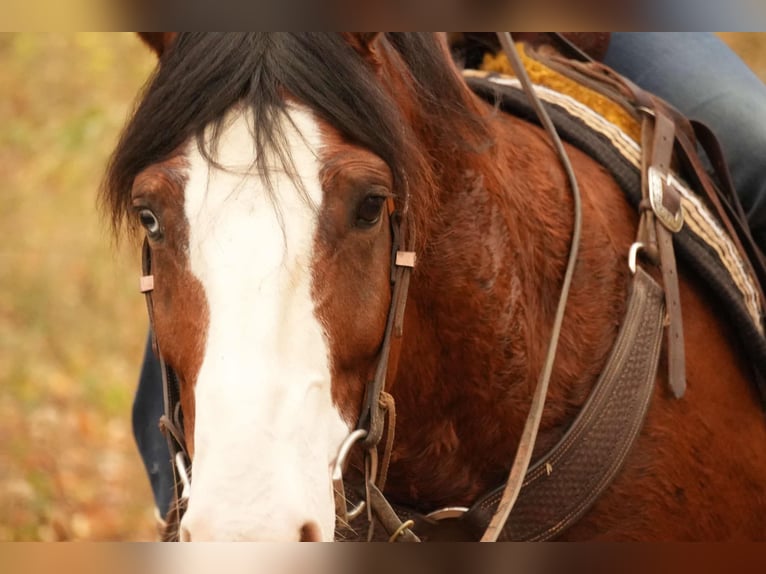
(266, 430)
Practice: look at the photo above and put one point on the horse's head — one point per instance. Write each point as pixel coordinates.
(260, 167)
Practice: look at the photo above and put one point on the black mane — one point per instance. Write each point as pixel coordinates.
(205, 74)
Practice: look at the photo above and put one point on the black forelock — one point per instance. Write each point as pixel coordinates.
(205, 74)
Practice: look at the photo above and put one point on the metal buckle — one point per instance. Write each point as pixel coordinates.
(341, 504)
(657, 182)
(633, 254)
(447, 512)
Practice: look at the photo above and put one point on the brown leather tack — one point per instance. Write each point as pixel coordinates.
(563, 484)
(660, 154)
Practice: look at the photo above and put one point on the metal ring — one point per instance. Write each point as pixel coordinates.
(447, 512)
(183, 475)
(633, 255)
(399, 531)
(341, 503)
(344, 450)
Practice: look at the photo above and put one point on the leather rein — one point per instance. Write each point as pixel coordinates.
(377, 400)
(377, 416)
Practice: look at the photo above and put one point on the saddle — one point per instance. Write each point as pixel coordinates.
(576, 55)
(615, 122)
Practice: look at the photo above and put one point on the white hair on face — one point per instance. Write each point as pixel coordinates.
(266, 430)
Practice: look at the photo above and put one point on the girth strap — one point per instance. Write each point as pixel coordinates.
(666, 216)
(564, 483)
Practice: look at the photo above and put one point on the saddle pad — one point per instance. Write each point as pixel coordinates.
(702, 244)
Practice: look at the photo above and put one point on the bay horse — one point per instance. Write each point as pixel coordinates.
(265, 170)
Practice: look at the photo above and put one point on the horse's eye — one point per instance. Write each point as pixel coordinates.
(150, 222)
(368, 212)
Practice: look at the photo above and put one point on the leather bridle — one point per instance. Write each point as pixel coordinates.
(377, 406)
(171, 422)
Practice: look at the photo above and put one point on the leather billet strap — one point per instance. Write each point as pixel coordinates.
(665, 218)
(661, 212)
(171, 422)
(722, 198)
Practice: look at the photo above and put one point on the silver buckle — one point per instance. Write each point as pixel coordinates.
(341, 504)
(657, 182)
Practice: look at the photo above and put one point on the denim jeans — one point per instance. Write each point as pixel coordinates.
(148, 407)
(698, 74)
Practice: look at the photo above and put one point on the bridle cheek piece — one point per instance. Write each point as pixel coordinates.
(378, 405)
(171, 422)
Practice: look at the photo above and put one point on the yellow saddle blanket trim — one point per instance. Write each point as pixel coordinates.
(622, 130)
(540, 74)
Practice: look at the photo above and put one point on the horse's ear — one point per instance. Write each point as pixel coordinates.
(158, 41)
(364, 43)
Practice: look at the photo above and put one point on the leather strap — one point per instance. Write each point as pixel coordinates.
(666, 205)
(372, 416)
(528, 437)
(170, 422)
(564, 484)
(727, 203)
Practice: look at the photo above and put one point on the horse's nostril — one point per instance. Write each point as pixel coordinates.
(310, 532)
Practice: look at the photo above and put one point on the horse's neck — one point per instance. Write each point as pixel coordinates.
(481, 309)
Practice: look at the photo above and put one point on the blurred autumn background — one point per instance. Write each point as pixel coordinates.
(72, 322)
